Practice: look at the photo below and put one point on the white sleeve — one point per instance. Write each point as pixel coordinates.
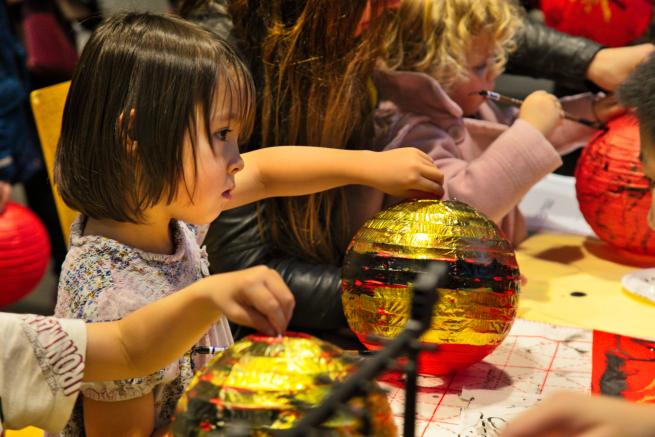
(41, 368)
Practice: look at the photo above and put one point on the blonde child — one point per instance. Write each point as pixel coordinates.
(452, 50)
(149, 155)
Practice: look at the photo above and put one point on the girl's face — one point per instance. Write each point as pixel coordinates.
(217, 162)
(481, 74)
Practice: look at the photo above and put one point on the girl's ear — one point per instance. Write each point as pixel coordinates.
(130, 142)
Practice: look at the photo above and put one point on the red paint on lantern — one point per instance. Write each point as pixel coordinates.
(612, 190)
(609, 22)
(24, 252)
(447, 358)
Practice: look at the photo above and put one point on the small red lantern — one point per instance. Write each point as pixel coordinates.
(609, 22)
(24, 252)
(612, 190)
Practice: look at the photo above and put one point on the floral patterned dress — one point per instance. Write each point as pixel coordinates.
(103, 280)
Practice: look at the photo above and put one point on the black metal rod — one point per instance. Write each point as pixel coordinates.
(411, 388)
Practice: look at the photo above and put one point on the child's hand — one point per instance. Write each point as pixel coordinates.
(542, 110)
(405, 172)
(576, 414)
(607, 107)
(256, 297)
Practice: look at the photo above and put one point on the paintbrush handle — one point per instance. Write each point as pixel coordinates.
(497, 97)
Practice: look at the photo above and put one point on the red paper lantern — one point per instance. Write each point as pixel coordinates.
(24, 252)
(608, 22)
(612, 190)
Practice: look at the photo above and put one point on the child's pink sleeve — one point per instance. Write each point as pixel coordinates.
(495, 181)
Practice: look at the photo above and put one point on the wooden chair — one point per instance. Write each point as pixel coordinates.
(48, 108)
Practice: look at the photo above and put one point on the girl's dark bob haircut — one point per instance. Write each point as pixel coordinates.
(165, 71)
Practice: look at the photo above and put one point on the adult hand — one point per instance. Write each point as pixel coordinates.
(578, 415)
(611, 66)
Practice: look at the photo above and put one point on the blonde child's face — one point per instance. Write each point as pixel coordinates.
(217, 161)
(481, 74)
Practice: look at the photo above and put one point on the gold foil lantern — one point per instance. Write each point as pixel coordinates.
(266, 383)
(476, 310)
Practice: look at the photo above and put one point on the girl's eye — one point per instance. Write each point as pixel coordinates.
(222, 134)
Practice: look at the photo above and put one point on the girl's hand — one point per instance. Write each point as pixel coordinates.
(607, 107)
(256, 297)
(405, 172)
(577, 415)
(543, 111)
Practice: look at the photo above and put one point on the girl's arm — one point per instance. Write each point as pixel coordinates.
(134, 417)
(495, 181)
(158, 334)
(299, 170)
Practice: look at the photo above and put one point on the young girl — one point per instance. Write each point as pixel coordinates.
(148, 154)
(452, 50)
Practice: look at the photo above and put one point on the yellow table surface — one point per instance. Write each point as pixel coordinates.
(556, 265)
(30, 431)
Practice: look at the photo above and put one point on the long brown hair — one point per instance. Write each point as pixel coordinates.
(313, 75)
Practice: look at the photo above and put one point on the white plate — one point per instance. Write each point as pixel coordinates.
(641, 283)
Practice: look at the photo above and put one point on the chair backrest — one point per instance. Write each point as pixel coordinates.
(48, 108)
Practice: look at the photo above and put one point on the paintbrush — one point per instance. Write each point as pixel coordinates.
(497, 97)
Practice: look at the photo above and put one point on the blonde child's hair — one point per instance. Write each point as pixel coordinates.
(438, 35)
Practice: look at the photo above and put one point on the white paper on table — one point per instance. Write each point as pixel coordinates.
(551, 205)
(489, 410)
(535, 360)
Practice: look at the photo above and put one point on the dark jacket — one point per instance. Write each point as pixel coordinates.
(542, 52)
(235, 242)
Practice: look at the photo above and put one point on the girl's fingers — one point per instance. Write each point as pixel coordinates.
(262, 301)
(280, 291)
(433, 173)
(248, 316)
(426, 185)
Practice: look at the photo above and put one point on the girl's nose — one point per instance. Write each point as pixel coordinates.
(236, 165)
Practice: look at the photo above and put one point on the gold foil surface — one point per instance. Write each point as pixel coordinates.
(267, 383)
(383, 259)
